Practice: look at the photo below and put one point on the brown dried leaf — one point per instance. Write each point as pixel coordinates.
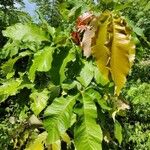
(87, 41)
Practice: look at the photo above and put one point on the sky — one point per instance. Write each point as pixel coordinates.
(30, 7)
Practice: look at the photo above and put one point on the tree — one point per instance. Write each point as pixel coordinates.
(10, 15)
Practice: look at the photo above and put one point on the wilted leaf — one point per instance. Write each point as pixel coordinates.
(100, 51)
(83, 20)
(119, 105)
(87, 41)
(122, 54)
(33, 120)
(113, 49)
(88, 134)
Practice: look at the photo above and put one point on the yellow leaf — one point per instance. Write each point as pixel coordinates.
(122, 53)
(99, 50)
(56, 145)
(38, 144)
(113, 49)
(65, 137)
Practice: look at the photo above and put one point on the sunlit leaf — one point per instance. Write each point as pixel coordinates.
(41, 62)
(114, 49)
(99, 50)
(86, 74)
(88, 134)
(65, 137)
(26, 33)
(56, 145)
(9, 88)
(39, 101)
(103, 104)
(98, 76)
(10, 48)
(38, 143)
(58, 117)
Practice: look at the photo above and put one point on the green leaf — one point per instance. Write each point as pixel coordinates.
(71, 85)
(9, 88)
(103, 104)
(67, 59)
(86, 74)
(147, 7)
(7, 67)
(42, 62)
(39, 101)
(26, 33)
(118, 131)
(10, 48)
(88, 134)
(138, 31)
(59, 115)
(98, 98)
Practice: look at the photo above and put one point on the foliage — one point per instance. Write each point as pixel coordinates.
(139, 98)
(136, 127)
(137, 135)
(49, 10)
(104, 35)
(58, 104)
(10, 15)
(53, 97)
